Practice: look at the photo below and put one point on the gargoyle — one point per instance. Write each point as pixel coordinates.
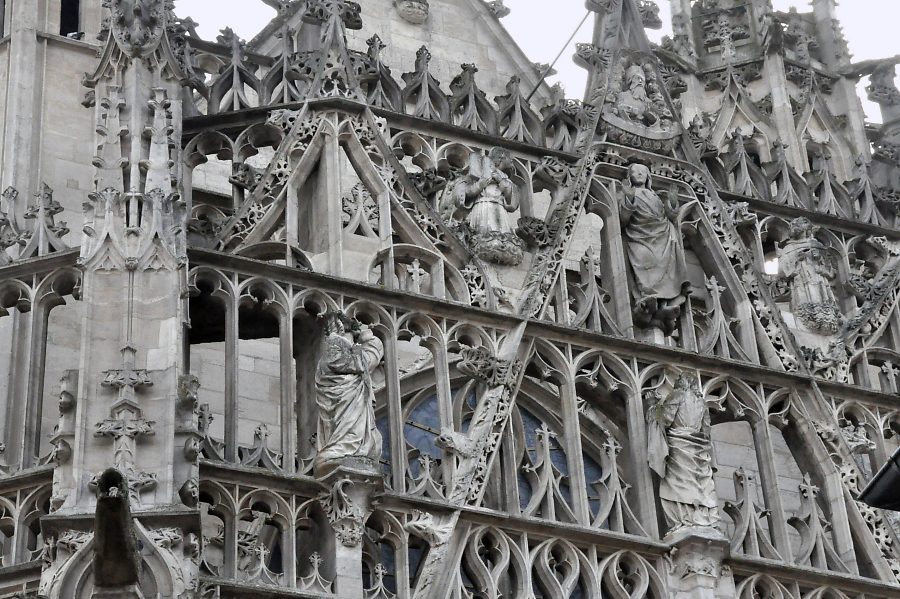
(459, 443)
(117, 562)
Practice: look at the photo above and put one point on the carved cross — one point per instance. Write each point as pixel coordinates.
(416, 274)
(124, 429)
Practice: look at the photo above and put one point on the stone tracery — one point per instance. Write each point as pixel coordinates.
(492, 365)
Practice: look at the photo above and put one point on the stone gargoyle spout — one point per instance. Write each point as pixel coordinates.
(117, 562)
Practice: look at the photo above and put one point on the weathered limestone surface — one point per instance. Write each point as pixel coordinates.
(181, 415)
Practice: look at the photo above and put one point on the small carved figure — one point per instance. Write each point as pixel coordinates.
(680, 452)
(807, 268)
(484, 197)
(661, 284)
(344, 394)
(633, 102)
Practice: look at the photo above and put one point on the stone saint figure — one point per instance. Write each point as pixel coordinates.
(680, 452)
(808, 269)
(633, 102)
(344, 394)
(661, 284)
(485, 197)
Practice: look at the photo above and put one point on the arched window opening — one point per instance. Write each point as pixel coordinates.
(70, 19)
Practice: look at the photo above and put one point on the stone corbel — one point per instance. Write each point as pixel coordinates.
(696, 565)
(348, 503)
(347, 506)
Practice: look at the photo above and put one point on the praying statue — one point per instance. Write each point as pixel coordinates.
(659, 274)
(484, 198)
(808, 269)
(680, 452)
(347, 431)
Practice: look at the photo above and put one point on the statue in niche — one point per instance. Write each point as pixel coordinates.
(661, 283)
(633, 102)
(808, 271)
(484, 197)
(347, 433)
(680, 453)
(636, 110)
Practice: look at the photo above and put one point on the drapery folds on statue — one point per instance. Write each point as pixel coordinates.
(660, 278)
(347, 432)
(808, 269)
(484, 198)
(680, 452)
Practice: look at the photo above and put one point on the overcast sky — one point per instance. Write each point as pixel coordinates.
(542, 27)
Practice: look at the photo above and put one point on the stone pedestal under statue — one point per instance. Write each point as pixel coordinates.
(696, 564)
(348, 504)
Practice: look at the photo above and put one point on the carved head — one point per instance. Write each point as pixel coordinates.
(334, 323)
(686, 382)
(112, 484)
(635, 76)
(802, 228)
(639, 175)
(501, 159)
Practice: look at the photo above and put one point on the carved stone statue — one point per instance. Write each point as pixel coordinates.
(347, 433)
(633, 102)
(680, 453)
(635, 111)
(808, 270)
(484, 197)
(661, 284)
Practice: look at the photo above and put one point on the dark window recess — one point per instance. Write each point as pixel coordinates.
(2, 17)
(69, 17)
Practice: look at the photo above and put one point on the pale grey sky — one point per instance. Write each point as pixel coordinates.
(541, 27)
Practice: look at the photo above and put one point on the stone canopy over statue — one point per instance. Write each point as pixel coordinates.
(805, 265)
(660, 283)
(347, 432)
(680, 453)
(484, 199)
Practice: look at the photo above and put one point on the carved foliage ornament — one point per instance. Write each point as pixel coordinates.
(413, 11)
(318, 11)
(346, 517)
(480, 364)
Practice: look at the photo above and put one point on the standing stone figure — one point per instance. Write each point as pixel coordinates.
(661, 284)
(805, 264)
(485, 197)
(680, 452)
(347, 433)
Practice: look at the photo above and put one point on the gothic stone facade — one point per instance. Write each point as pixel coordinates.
(326, 314)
